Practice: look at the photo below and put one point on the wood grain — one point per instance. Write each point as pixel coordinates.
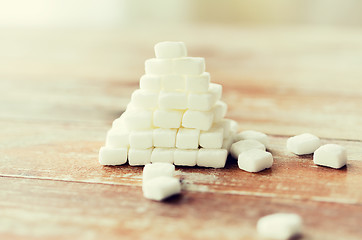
(61, 89)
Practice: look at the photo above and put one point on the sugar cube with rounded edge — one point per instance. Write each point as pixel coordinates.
(185, 157)
(198, 83)
(245, 145)
(330, 155)
(187, 138)
(163, 137)
(216, 90)
(305, 143)
(158, 169)
(214, 158)
(156, 66)
(141, 139)
(173, 82)
(162, 155)
(200, 101)
(251, 134)
(151, 82)
(189, 66)
(137, 157)
(173, 100)
(213, 138)
(170, 50)
(255, 160)
(160, 188)
(138, 120)
(219, 109)
(117, 138)
(144, 99)
(198, 119)
(112, 156)
(167, 118)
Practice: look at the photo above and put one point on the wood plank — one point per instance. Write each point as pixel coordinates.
(42, 209)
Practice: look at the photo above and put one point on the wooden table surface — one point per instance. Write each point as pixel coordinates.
(61, 89)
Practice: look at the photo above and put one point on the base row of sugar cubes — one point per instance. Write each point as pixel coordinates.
(215, 158)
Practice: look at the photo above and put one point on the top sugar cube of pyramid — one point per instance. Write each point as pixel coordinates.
(170, 50)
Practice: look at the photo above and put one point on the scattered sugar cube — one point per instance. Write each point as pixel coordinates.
(198, 83)
(141, 139)
(227, 142)
(155, 66)
(197, 119)
(163, 137)
(138, 120)
(189, 66)
(170, 50)
(162, 155)
(144, 99)
(255, 160)
(200, 101)
(185, 157)
(245, 145)
(173, 82)
(219, 109)
(330, 155)
(216, 90)
(167, 118)
(157, 170)
(212, 138)
(160, 188)
(187, 138)
(305, 143)
(251, 134)
(151, 82)
(117, 138)
(279, 225)
(173, 100)
(137, 157)
(112, 156)
(215, 158)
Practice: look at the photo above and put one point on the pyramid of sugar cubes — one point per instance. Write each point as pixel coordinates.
(176, 116)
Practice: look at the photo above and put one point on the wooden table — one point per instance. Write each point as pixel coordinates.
(61, 89)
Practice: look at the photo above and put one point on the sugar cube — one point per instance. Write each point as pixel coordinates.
(279, 226)
(255, 160)
(245, 145)
(112, 156)
(156, 66)
(185, 157)
(219, 109)
(216, 90)
(330, 155)
(215, 158)
(170, 50)
(138, 120)
(227, 142)
(162, 155)
(117, 138)
(251, 134)
(226, 125)
(200, 101)
(157, 170)
(198, 119)
(173, 82)
(198, 83)
(187, 138)
(173, 100)
(160, 188)
(164, 137)
(213, 138)
(141, 139)
(189, 66)
(151, 82)
(167, 118)
(144, 99)
(138, 157)
(305, 143)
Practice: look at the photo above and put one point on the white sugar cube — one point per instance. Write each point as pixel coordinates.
(251, 134)
(173, 100)
(170, 50)
(279, 226)
(156, 66)
(200, 101)
(138, 120)
(216, 90)
(189, 66)
(163, 137)
(173, 82)
(112, 156)
(137, 157)
(234, 127)
(141, 139)
(227, 142)
(187, 138)
(162, 155)
(255, 160)
(119, 123)
(117, 138)
(330, 155)
(144, 99)
(167, 118)
(198, 119)
(219, 109)
(151, 82)
(215, 158)
(245, 145)
(198, 83)
(305, 143)
(185, 157)
(226, 125)
(161, 188)
(154, 170)
(213, 138)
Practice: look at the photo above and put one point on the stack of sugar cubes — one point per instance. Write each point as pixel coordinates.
(176, 116)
